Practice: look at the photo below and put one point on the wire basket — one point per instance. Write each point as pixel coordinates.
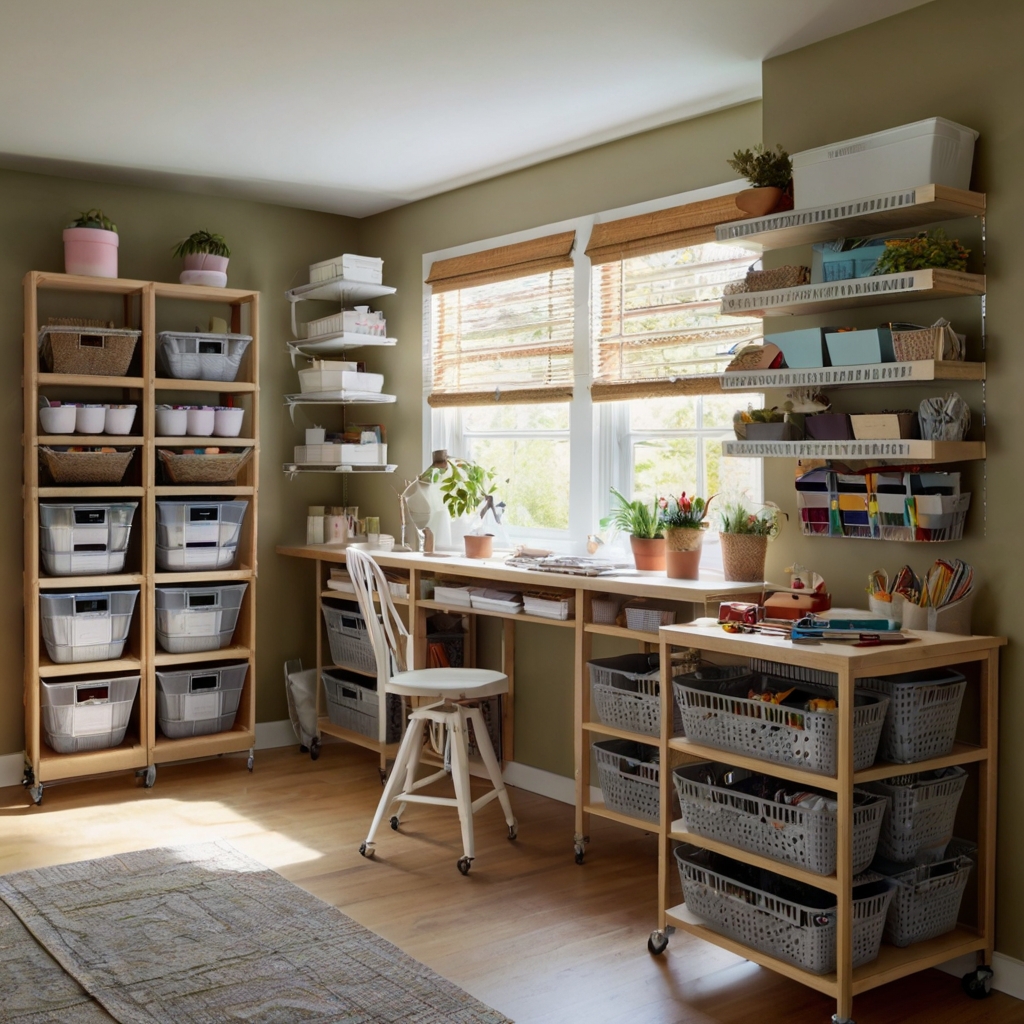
(204, 469)
(918, 824)
(67, 467)
(794, 834)
(628, 773)
(99, 350)
(644, 619)
(924, 708)
(188, 355)
(349, 639)
(353, 704)
(605, 610)
(626, 692)
(789, 920)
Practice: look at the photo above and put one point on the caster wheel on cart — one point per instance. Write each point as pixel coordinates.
(836, 1019)
(148, 776)
(250, 762)
(383, 776)
(657, 943)
(463, 864)
(314, 749)
(366, 850)
(395, 822)
(578, 850)
(978, 984)
(513, 832)
(36, 792)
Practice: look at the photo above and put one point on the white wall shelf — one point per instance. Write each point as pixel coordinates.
(293, 469)
(868, 374)
(339, 289)
(870, 451)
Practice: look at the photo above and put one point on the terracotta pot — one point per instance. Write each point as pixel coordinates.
(479, 547)
(91, 252)
(682, 553)
(759, 202)
(743, 556)
(649, 555)
(205, 261)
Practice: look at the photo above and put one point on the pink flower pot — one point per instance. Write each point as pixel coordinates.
(204, 261)
(91, 252)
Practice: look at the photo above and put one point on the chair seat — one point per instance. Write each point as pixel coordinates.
(453, 683)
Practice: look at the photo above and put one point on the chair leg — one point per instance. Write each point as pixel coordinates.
(463, 793)
(410, 773)
(490, 759)
(395, 780)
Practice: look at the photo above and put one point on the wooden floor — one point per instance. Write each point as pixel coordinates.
(529, 932)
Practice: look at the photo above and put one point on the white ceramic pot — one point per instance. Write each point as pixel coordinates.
(171, 422)
(91, 252)
(119, 419)
(227, 421)
(200, 420)
(205, 261)
(58, 419)
(89, 419)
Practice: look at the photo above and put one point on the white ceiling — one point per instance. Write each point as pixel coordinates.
(353, 106)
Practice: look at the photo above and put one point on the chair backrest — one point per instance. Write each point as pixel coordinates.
(388, 635)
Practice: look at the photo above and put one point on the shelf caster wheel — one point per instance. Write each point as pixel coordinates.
(463, 864)
(836, 1019)
(657, 943)
(978, 983)
(395, 822)
(578, 850)
(251, 760)
(367, 850)
(148, 776)
(383, 776)
(513, 832)
(314, 749)
(36, 792)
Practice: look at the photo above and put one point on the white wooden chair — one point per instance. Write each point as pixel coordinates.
(457, 692)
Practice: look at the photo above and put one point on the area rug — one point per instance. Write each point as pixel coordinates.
(200, 935)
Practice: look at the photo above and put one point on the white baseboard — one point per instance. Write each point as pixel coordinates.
(12, 769)
(1008, 972)
(536, 780)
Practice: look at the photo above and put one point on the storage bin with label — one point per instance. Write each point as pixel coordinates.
(196, 356)
(628, 773)
(717, 711)
(88, 347)
(348, 637)
(85, 539)
(86, 714)
(785, 919)
(87, 625)
(199, 700)
(352, 704)
(198, 535)
(752, 812)
(199, 618)
(626, 690)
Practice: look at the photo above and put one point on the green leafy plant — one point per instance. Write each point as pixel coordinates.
(636, 518)
(684, 513)
(923, 251)
(772, 415)
(765, 522)
(202, 242)
(94, 219)
(464, 486)
(763, 168)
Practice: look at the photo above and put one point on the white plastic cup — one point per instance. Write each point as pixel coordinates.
(227, 421)
(58, 419)
(89, 419)
(316, 435)
(119, 419)
(171, 422)
(200, 420)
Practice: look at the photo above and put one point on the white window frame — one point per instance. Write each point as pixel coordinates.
(598, 458)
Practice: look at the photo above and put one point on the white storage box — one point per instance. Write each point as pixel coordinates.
(367, 269)
(86, 626)
(198, 535)
(930, 152)
(449, 594)
(199, 701)
(342, 454)
(549, 606)
(192, 619)
(86, 714)
(193, 356)
(487, 599)
(85, 540)
(348, 321)
(327, 375)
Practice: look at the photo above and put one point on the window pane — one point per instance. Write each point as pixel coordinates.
(516, 417)
(719, 409)
(533, 478)
(729, 478)
(664, 466)
(664, 414)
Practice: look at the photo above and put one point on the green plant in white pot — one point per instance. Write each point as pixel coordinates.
(205, 255)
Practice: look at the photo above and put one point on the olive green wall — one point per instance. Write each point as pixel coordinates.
(663, 162)
(959, 61)
(271, 246)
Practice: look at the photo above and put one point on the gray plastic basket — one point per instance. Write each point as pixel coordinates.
(198, 535)
(924, 708)
(796, 835)
(349, 638)
(89, 625)
(200, 700)
(801, 933)
(193, 619)
(193, 356)
(626, 693)
(716, 712)
(85, 539)
(352, 703)
(86, 714)
(628, 774)
(918, 823)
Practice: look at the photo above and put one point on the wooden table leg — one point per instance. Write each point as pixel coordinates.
(508, 702)
(581, 714)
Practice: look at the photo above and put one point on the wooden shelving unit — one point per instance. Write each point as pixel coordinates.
(980, 656)
(143, 303)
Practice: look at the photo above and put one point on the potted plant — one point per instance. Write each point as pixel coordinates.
(90, 245)
(685, 520)
(772, 424)
(769, 172)
(646, 531)
(467, 489)
(929, 249)
(206, 259)
(745, 535)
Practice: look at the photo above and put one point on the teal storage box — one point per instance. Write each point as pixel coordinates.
(855, 348)
(802, 349)
(842, 266)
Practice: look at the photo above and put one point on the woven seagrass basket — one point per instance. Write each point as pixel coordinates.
(204, 469)
(86, 467)
(743, 556)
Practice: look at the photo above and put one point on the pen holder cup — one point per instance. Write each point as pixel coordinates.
(891, 610)
(910, 616)
(951, 618)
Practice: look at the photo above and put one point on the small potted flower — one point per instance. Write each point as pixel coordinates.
(90, 245)
(685, 520)
(205, 255)
(744, 536)
(467, 491)
(770, 174)
(646, 531)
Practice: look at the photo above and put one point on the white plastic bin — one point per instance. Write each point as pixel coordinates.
(352, 703)
(199, 701)
(368, 269)
(330, 375)
(194, 356)
(90, 625)
(930, 152)
(348, 637)
(190, 619)
(86, 539)
(198, 535)
(86, 714)
(342, 454)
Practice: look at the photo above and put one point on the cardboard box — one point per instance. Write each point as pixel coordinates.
(828, 426)
(885, 426)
